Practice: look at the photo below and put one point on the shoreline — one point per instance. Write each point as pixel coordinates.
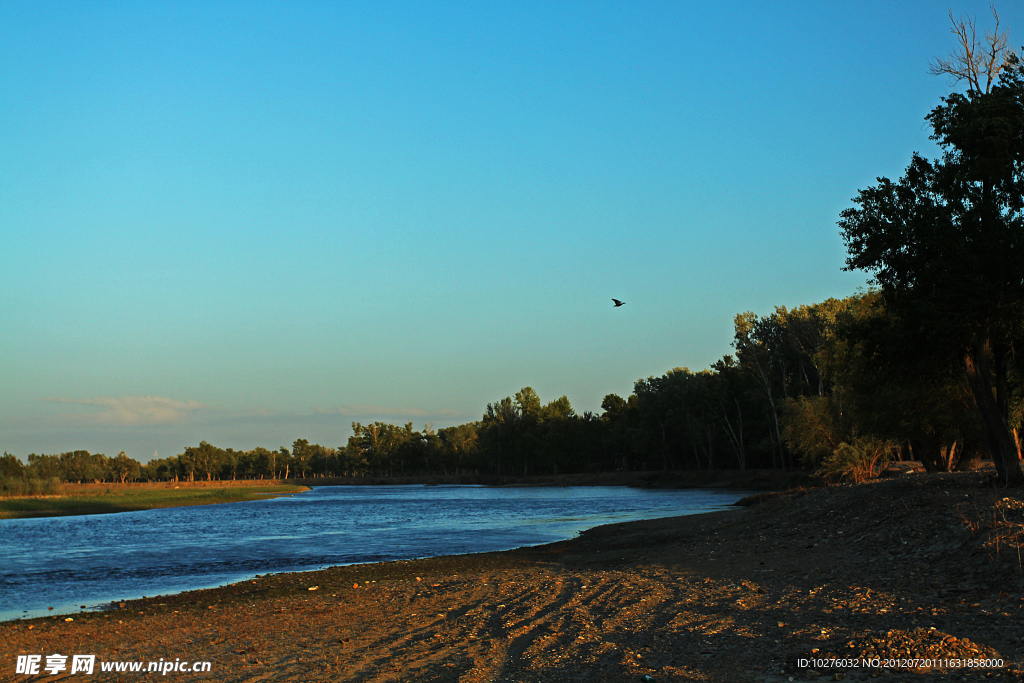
(737, 595)
(98, 499)
(737, 479)
(207, 571)
(92, 498)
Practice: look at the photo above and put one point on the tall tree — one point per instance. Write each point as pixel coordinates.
(121, 467)
(44, 467)
(458, 446)
(763, 350)
(946, 245)
(11, 467)
(887, 387)
(206, 460)
(302, 453)
(499, 425)
(621, 430)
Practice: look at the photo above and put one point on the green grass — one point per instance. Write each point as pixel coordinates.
(117, 499)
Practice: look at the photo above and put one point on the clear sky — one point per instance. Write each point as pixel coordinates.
(253, 222)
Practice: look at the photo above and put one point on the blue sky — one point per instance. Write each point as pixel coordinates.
(255, 222)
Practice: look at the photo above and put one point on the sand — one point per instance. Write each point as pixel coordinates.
(917, 576)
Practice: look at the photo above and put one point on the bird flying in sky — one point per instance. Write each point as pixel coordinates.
(618, 303)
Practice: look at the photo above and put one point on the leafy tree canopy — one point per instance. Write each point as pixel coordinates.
(946, 245)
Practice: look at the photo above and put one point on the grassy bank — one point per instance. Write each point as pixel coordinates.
(95, 499)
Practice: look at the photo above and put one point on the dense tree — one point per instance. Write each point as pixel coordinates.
(205, 461)
(498, 430)
(302, 454)
(677, 418)
(621, 433)
(518, 434)
(262, 462)
(122, 468)
(730, 397)
(945, 244)
(888, 387)
(44, 467)
(81, 466)
(323, 461)
(11, 467)
(459, 447)
(777, 352)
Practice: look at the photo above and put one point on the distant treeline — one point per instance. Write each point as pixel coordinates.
(829, 386)
(44, 471)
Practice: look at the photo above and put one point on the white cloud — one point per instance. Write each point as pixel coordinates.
(134, 411)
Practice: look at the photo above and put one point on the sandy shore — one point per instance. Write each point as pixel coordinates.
(905, 570)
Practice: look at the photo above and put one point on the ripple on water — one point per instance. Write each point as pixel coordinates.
(65, 562)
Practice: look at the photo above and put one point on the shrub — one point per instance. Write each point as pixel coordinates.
(811, 428)
(856, 460)
(19, 486)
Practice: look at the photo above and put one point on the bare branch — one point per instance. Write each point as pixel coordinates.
(977, 60)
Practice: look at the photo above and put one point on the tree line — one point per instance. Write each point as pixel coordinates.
(827, 386)
(43, 471)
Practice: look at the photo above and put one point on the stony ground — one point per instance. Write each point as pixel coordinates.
(920, 573)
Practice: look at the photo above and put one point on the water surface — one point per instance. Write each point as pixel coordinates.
(67, 562)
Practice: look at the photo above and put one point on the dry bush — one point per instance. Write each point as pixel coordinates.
(857, 460)
(1001, 528)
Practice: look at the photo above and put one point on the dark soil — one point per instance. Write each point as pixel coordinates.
(920, 573)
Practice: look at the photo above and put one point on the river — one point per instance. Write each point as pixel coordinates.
(70, 562)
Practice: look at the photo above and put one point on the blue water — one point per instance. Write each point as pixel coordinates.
(67, 562)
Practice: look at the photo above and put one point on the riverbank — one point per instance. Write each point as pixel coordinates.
(756, 480)
(92, 499)
(918, 566)
(96, 499)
